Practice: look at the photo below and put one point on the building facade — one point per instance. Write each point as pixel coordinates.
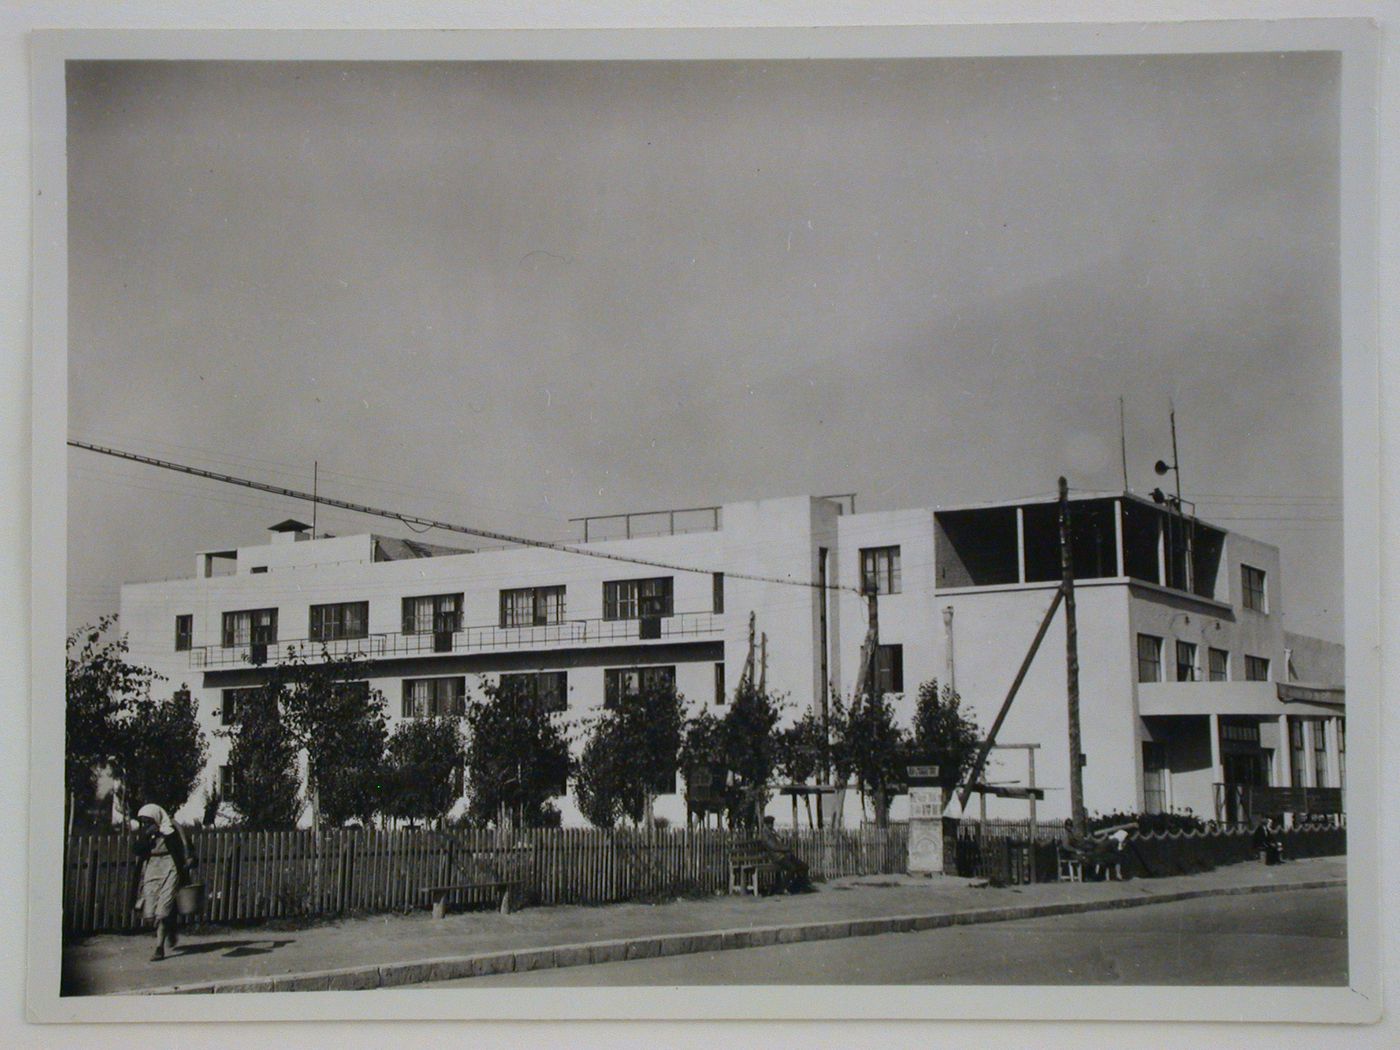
(1188, 680)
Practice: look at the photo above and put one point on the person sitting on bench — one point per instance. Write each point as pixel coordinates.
(1267, 842)
(793, 873)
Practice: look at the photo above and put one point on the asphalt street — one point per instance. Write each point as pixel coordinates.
(1296, 937)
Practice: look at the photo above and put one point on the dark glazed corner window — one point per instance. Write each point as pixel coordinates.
(879, 570)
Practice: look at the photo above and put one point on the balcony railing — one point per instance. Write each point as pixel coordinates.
(480, 639)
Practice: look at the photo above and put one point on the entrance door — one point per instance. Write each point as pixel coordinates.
(1242, 771)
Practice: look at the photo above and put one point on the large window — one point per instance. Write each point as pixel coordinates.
(1252, 589)
(434, 697)
(1186, 668)
(231, 703)
(432, 614)
(184, 632)
(889, 669)
(1319, 750)
(1256, 669)
(633, 681)
(879, 570)
(340, 620)
(250, 627)
(719, 685)
(1297, 753)
(633, 599)
(548, 690)
(1149, 656)
(532, 606)
(1219, 665)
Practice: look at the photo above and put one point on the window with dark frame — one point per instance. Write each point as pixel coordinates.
(1186, 669)
(250, 627)
(633, 681)
(228, 786)
(1256, 669)
(1219, 665)
(1253, 592)
(719, 685)
(184, 632)
(532, 606)
(1297, 752)
(634, 599)
(547, 690)
(432, 614)
(718, 586)
(338, 621)
(889, 669)
(231, 702)
(435, 697)
(1149, 658)
(879, 570)
(1319, 742)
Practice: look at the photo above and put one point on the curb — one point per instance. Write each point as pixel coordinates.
(521, 960)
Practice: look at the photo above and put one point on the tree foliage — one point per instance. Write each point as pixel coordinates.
(630, 756)
(424, 755)
(101, 688)
(161, 751)
(750, 745)
(263, 757)
(517, 759)
(799, 749)
(945, 732)
(867, 745)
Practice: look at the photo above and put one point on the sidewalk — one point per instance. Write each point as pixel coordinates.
(384, 951)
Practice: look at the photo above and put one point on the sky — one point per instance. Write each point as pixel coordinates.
(509, 294)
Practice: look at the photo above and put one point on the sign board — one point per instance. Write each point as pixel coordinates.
(923, 775)
(925, 830)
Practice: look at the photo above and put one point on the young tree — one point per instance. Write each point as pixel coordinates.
(161, 751)
(750, 745)
(630, 756)
(424, 755)
(868, 745)
(702, 753)
(517, 759)
(100, 688)
(263, 759)
(799, 754)
(339, 721)
(945, 732)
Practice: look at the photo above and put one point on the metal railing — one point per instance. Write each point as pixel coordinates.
(473, 639)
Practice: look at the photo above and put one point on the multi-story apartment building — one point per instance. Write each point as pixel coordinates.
(1185, 664)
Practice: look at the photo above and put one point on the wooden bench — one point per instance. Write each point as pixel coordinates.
(437, 895)
(748, 862)
(1071, 864)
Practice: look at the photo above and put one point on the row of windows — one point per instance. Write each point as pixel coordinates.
(1188, 667)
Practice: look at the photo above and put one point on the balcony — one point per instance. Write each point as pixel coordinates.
(481, 639)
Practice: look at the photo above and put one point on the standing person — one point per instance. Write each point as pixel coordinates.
(167, 867)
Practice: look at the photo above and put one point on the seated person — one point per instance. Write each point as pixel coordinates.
(1268, 842)
(793, 873)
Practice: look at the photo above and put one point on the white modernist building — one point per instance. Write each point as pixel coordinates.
(1190, 684)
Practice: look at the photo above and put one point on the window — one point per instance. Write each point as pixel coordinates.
(1319, 748)
(1297, 753)
(889, 669)
(879, 570)
(258, 568)
(547, 689)
(184, 632)
(227, 785)
(250, 627)
(1156, 772)
(1256, 669)
(432, 614)
(632, 599)
(1219, 665)
(1252, 588)
(719, 592)
(719, 685)
(434, 697)
(633, 681)
(1341, 752)
(1186, 670)
(532, 606)
(231, 703)
(1149, 658)
(341, 620)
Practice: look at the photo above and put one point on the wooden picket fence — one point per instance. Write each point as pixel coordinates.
(256, 875)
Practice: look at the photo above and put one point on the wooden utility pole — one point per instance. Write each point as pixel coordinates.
(1076, 752)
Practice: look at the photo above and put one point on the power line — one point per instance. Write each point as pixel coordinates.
(412, 520)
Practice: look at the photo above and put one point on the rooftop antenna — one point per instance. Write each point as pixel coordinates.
(1175, 467)
(1123, 441)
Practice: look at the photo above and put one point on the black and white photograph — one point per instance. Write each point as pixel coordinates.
(794, 521)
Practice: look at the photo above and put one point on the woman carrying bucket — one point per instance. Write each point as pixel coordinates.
(167, 868)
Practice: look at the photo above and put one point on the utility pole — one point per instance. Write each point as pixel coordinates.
(1076, 751)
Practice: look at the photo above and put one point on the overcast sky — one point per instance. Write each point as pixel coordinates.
(510, 294)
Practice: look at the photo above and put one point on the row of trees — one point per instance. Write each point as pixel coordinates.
(506, 753)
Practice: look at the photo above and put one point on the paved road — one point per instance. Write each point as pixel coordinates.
(1296, 937)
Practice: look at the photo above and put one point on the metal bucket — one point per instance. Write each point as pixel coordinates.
(189, 900)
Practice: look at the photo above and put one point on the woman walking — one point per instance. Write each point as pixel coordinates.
(167, 867)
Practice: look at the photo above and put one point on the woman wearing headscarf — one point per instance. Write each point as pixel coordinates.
(167, 867)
